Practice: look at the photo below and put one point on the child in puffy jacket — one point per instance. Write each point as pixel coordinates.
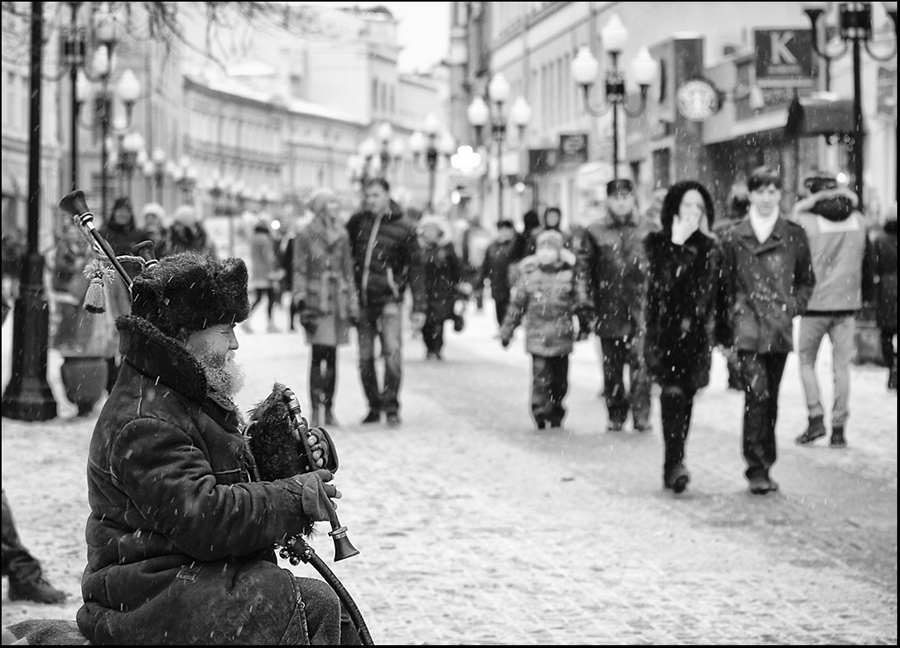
(545, 296)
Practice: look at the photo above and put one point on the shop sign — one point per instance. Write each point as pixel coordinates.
(573, 148)
(784, 57)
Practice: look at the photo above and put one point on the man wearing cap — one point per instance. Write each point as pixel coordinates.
(180, 539)
(611, 272)
(842, 261)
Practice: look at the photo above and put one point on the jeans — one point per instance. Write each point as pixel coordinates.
(18, 563)
(840, 329)
(382, 321)
(501, 304)
(322, 381)
(323, 611)
(549, 386)
(617, 352)
(761, 373)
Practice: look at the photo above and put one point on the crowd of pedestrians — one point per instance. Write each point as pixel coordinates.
(659, 290)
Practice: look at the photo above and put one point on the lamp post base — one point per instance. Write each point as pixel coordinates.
(28, 396)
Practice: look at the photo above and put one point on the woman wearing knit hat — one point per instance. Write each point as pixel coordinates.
(324, 295)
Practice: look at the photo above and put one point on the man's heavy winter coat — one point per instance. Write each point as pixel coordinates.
(763, 286)
(680, 309)
(180, 541)
(443, 275)
(612, 268)
(386, 258)
(545, 297)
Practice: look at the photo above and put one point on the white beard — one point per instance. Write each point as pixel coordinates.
(223, 375)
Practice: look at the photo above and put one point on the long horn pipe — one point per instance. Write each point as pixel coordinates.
(76, 206)
(343, 548)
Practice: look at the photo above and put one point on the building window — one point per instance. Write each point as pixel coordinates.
(374, 94)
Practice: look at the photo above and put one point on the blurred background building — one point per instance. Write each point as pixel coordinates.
(735, 85)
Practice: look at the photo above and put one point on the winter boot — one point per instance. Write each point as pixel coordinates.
(837, 437)
(815, 430)
(676, 478)
(36, 589)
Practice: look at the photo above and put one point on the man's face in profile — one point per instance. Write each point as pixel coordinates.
(214, 349)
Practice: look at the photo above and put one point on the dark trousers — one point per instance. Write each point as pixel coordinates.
(617, 352)
(322, 374)
(383, 322)
(887, 348)
(676, 406)
(323, 611)
(549, 386)
(501, 303)
(761, 373)
(269, 294)
(18, 563)
(433, 334)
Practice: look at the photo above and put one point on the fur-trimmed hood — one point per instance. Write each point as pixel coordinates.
(835, 205)
(160, 356)
(440, 223)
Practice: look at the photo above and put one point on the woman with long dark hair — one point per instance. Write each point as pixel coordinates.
(681, 289)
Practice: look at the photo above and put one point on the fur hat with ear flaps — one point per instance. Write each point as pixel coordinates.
(192, 292)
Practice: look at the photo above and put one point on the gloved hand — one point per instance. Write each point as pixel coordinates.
(584, 327)
(323, 451)
(316, 493)
(309, 320)
(418, 321)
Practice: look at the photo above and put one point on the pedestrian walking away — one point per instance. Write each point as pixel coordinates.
(386, 260)
(443, 280)
(265, 273)
(682, 275)
(545, 298)
(180, 534)
(843, 261)
(767, 279)
(325, 297)
(26, 576)
(611, 272)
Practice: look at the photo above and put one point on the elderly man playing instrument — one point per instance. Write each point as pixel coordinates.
(180, 536)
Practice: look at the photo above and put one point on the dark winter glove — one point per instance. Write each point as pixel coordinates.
(309, 320)
(316, 493)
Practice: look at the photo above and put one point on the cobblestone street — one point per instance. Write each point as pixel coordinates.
(473, 527)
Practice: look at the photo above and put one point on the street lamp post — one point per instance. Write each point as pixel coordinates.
(855, 25)
(428, 146)
(584, 71)
(184, 174)
(28, 396)
(479, 114)
(131, 154)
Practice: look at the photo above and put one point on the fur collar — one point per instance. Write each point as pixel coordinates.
(162, 357)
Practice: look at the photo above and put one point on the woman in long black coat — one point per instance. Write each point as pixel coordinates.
(681, 287)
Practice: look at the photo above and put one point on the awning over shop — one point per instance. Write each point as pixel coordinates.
(808, 116)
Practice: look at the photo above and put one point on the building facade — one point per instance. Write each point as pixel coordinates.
(533, 45)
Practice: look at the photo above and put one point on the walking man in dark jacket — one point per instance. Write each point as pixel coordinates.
(767, 279)
(611, 270)
(495, 267)
(386, 259)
